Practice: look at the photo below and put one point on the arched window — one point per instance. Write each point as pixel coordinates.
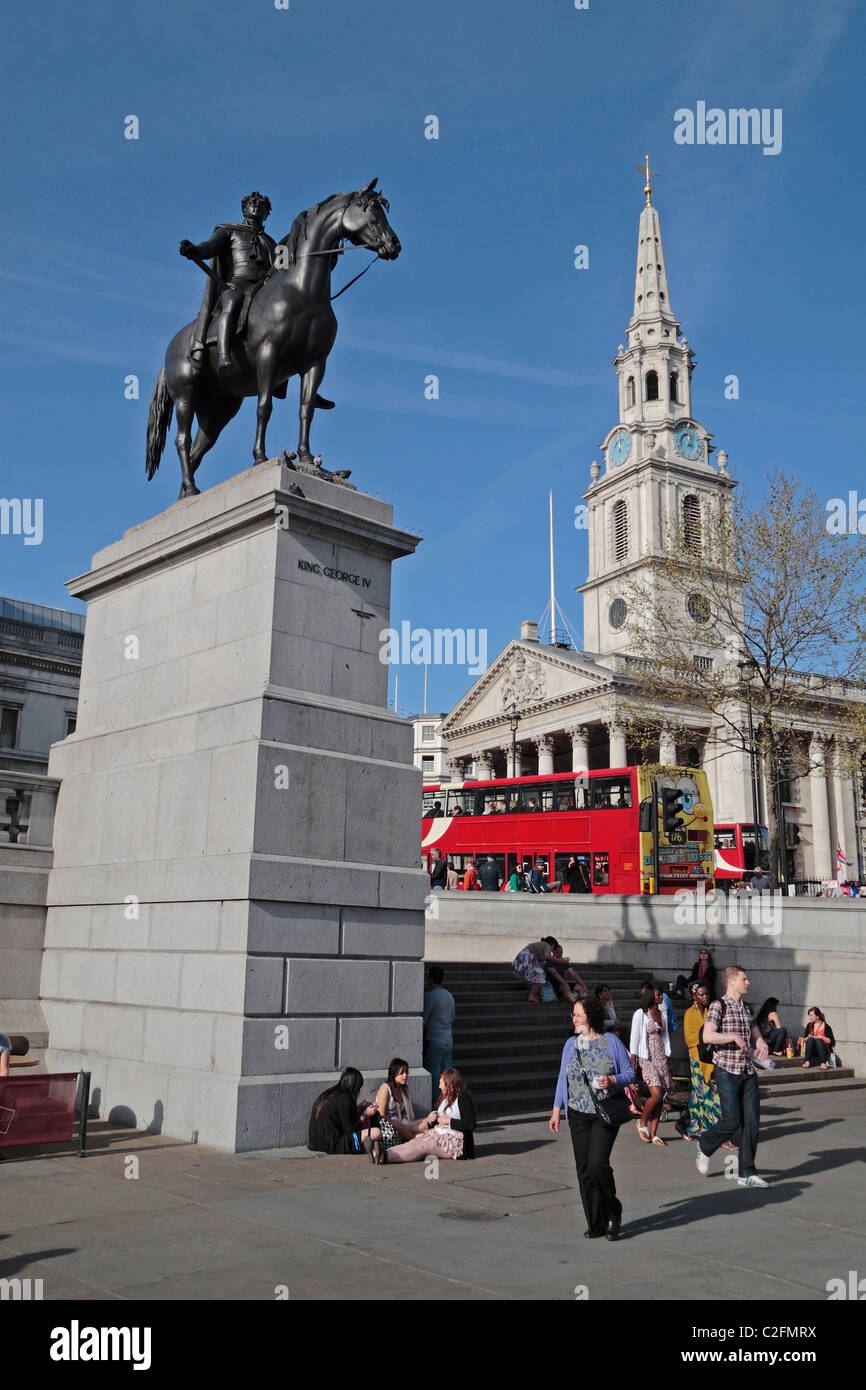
(629, 391)
(692, 536)
(675, 383)
(652, 386)
(620, 530)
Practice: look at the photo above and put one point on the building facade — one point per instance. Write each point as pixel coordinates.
(571, 708)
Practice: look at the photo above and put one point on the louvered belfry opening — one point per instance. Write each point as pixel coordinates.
(692, 537)
(620, 530)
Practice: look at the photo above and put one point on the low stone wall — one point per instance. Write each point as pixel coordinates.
(804, 952)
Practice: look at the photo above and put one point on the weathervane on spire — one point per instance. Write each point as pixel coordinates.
(650, 173)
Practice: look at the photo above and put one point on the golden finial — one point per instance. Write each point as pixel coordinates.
(650, 173)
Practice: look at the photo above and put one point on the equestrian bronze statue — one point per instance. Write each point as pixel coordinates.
(266, 316)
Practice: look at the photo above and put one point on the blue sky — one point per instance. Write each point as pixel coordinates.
(543, 111)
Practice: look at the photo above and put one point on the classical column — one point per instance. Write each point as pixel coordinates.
(579, 735)
(483, 767)
(823, 860)
(843, 804)
(667, 746)
(616, 740)
(544, 748)
(506, 750)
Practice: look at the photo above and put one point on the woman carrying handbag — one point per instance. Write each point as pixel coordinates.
(595, 1068)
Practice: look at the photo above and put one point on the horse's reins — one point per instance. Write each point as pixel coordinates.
(338, 251)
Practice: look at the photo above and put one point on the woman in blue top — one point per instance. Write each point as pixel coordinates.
(608, 1067)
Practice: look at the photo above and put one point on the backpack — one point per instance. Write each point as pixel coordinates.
(706, 1050)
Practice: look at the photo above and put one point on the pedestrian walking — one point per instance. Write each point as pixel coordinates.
(730, 1030)
(594, 1070)
(651, 1046)
(438, 871)
(439, 1011)
(490, 875)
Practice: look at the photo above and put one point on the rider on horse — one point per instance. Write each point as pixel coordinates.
(243, 257)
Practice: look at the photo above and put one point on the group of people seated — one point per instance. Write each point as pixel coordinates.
(386, 1129)
(543, 967)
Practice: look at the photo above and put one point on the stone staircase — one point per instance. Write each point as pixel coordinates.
(509, 1050)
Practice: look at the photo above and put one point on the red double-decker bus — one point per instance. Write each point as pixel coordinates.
(740, 851)
(603, 819)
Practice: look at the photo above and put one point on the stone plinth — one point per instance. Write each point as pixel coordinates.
(235, 910)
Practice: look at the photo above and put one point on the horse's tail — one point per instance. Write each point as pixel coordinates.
(158, 421)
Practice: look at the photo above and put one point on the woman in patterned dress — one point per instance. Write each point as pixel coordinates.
(705, 1108)
(650, 1045)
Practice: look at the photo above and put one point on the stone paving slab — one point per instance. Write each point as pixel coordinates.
(196, 1224)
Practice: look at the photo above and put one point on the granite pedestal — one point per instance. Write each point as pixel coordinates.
(235, 910)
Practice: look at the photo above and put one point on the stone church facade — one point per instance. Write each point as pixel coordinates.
(572, 706)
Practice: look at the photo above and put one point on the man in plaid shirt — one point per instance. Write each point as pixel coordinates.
(728, 1027)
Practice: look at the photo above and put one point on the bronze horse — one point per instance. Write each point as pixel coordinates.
(290, 330)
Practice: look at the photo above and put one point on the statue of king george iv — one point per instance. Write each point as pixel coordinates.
(265, 316)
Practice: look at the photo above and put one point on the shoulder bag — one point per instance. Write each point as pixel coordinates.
(613, 1111)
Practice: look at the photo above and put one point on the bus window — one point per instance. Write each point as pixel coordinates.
(461, 803)
(512, 800)
(427, 804)
(748, 833)
(611, 793)
(601, 870)
(490, 802)
(583, 794)
(537, 798)
(565, 798)
(725, 839)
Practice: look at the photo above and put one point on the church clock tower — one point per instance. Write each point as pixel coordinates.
(657, 471)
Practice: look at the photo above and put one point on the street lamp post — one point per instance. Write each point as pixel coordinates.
(748, 667)
(514, 720)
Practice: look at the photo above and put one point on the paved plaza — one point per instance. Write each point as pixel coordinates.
(198, 1224)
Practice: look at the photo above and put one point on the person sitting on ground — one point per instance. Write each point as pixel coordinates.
(529, 964)
(770, 1027)
(336, 1121)
(650, 1046)
(703, 973)
(394, 1105)
(558, 965)
(449, 1129)
(438, 871)
(490, 875)
(818, 1041)
(470, 877)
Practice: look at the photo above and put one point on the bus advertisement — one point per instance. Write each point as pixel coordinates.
(603, 820)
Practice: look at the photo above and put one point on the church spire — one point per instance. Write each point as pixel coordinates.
(652, 313)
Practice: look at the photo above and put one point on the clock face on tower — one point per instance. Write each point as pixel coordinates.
(619, 447)
(688, 442)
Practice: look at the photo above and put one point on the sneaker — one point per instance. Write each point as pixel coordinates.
(753, 1181)
(702, 1163)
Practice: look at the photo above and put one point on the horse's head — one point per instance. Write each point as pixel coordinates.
(364, 223)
